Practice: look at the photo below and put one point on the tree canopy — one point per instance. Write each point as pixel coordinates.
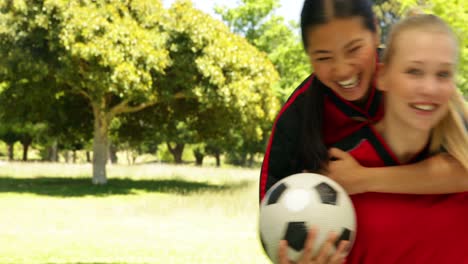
(184, 67)
(257, 21)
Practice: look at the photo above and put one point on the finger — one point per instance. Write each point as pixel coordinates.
(340, 253)
(337, 153)
(309, 245)
(325, 250)
(283, 252)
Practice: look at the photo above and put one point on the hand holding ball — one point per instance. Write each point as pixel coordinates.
(298, 202)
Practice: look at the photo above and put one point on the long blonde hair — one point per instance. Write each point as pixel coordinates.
(451, 132)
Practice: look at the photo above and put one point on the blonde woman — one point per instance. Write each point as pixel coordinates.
(424, 114)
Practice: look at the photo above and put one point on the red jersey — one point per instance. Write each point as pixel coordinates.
(404, 228)
(341, 118)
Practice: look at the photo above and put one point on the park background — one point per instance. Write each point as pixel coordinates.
(133, 131)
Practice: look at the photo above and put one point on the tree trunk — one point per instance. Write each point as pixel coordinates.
(243, 159)
(74, 156)
(131, 156)
(48, 155)
(11, 151)
(100, 145)
(53, 152)
(176, 151)
(113, 153)
(25, 151)
(198, 157)
(251, 160)
(88, 156)
(129, 159)
(66, 156)
(26, 141)
(218, 159)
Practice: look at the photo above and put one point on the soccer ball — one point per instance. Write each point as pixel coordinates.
(298, 202)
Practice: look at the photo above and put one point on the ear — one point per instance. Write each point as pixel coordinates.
(381, 76)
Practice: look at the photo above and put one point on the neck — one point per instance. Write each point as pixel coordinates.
(405, 142)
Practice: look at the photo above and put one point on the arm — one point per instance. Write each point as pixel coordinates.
(436, 175)
(279, 159)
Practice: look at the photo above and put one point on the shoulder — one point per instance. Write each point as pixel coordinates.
(293, 107)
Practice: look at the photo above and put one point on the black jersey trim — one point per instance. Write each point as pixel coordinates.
(351, 141)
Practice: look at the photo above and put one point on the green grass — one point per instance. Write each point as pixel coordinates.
(51, 213)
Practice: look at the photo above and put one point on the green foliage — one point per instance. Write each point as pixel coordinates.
(113, 47)
(387, 12)
(196, 79)
(270, 33)
(107, 51)
(261, 27)
(218, 84)
(240, 97)
(9, 133)
(248, 18)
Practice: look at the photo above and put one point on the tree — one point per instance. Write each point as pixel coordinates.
(107, 51)
(221, 82)
(10, 136)
(388, 12)
(257, 21)
(270, 33)
(233, 80)
(248, 18)
(69, 122)
(21, 108)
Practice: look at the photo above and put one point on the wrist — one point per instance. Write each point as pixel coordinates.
(368, 182)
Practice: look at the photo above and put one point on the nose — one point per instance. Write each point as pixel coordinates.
(430, 86)
(342, 69)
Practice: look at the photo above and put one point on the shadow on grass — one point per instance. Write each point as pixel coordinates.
(76, 187)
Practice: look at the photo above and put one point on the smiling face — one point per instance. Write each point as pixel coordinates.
(343, 54)
(419, 78)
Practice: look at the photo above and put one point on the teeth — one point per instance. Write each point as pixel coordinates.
(350, 83)
(424, 107)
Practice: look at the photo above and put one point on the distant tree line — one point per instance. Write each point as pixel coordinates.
(110, 75)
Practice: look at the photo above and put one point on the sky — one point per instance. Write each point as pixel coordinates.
(290, 9)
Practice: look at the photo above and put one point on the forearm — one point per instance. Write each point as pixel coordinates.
(436, 175)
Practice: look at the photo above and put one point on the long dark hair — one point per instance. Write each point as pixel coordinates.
(315, 13)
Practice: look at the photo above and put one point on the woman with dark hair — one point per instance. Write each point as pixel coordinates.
(341, 40)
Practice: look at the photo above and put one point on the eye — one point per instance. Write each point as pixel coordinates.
(323, 59)
(444, 74)
(355, 49)
(414, 72)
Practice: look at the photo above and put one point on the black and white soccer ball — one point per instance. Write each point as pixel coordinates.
(298, 202)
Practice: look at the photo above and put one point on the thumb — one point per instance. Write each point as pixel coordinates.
(337, 153)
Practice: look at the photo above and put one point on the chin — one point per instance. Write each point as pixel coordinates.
(356, 96)
(359, 98)
(424, 128)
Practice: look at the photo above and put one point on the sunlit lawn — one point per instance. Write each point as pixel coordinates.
(51, 213)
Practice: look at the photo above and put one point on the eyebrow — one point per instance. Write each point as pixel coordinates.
(346, 46)
(444, 63)
(353, 42)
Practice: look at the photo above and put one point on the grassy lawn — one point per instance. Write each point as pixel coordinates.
(51, 213)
